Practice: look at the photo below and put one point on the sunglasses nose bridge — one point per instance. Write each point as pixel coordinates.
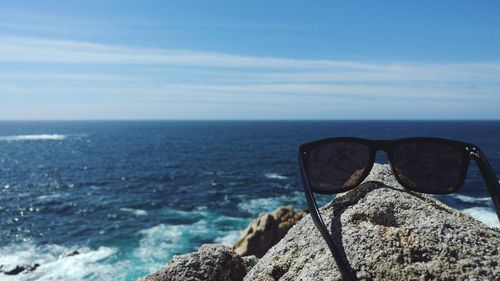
(381, 145)
(385, 146)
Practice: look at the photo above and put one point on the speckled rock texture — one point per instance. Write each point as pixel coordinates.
(386, 233)
(267, 230)
(211, 262)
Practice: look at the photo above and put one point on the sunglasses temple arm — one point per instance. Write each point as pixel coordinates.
(489, 178)
(320, 225)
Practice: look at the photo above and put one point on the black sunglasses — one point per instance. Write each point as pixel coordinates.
(427, 165)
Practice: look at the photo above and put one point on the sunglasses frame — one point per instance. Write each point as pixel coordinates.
(470, 151)
(388, 146)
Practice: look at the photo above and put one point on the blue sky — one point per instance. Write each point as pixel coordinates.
(251, 60)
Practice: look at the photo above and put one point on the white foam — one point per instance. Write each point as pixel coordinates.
(230, 238)
(485, 215)
(33, 137)
(56, 265)
(159, 243)
(137, 212)
(470, 199)
(275, 176)
(50, 196)
(259, 205)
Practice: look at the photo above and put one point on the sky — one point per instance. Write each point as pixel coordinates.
(249, 60)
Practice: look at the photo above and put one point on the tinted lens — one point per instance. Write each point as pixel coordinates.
(429, 166)
(338, 165)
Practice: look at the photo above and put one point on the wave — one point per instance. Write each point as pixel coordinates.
(33, 137)
(137, 212)
(275, 176)
(49, 197)
(55, 264)
(483, 214)
(148, 252)
(230, 238)
(161, 242)
(260, 205)
(470, 199)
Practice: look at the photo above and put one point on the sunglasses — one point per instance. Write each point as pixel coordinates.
(423, 164)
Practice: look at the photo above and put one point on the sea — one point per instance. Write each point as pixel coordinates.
(129, 195)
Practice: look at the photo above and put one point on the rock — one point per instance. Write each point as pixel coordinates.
(267, 230)
(250, 261)
(386, 233)
(32, 267)
(20, 268)
(211, 262)
(74, 253)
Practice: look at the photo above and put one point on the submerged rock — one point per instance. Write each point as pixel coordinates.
(211, 262)
(267, 230)
(386, 233)
(19, 268)
(73, 253)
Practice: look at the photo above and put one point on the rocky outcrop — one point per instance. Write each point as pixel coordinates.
(386, 233)
(267, 230)
(211, 262)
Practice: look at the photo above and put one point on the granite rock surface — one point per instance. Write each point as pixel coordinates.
(386, 233)
(211, 262)
(267, 230)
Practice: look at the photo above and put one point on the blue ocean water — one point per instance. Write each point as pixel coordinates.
(130, 195)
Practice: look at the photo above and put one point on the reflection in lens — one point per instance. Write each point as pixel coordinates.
(429, 166)
(338, 165)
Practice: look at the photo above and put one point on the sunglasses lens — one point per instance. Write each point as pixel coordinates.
(338, 165)
(429, 166)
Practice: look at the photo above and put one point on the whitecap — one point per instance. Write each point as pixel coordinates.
(137, 212)
(470, 199)
(33, 137)
(55, 264)
(162, 242)
(49, 196)
(485, 215)
(275, 176)
(229, 239)
(259, 205)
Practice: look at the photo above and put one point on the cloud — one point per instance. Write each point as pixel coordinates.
(36, 50)
(71, 72)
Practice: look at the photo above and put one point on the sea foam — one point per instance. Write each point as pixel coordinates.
(40, 137)
(159, 243)
(137, 212)
(55, 264)
(470, 199)
(275, 176)
(259, 205)
(483, 214)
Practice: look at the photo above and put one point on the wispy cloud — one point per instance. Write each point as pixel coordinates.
(75, 71)
(19, 49)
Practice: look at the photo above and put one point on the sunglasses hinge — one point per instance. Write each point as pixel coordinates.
(305, 155)
(473, 152)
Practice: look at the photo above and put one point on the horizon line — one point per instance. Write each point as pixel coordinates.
(240, 120)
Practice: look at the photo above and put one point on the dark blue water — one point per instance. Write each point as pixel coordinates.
(129, 195)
